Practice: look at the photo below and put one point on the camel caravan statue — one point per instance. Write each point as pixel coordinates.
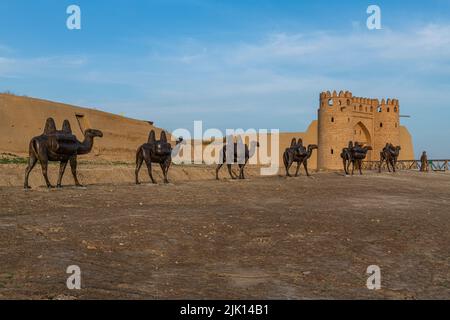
(240, 154)
(299, 154)
(156, 151)
(354, 154)
(64, 147)
(389, 155)
(58, 145)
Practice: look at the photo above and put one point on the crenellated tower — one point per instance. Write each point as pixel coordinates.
(334, 128)
(387, 123)
(343, 118)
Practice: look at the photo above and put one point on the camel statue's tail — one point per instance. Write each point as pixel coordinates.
(33, 147)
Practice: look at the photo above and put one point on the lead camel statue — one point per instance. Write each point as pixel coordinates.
(346, 156)
(61, 146)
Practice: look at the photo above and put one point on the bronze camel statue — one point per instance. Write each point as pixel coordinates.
(156, 151)
(389, 154)
(347, 155)
(241, 154)
(297, 153)
(62, 146)
(357, 154)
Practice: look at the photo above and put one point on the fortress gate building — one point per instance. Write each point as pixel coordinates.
(343, 118)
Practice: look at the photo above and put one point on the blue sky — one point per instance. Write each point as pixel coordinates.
(232, 64)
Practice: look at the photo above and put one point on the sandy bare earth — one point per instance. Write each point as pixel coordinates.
(263, 238)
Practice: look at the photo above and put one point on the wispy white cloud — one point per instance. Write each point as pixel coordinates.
(427, 42)
(278, 62)
(282, 63)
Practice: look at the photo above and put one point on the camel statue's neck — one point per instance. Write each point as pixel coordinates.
(309, 153)
(87, 145)
(177, 148)
(395, 151)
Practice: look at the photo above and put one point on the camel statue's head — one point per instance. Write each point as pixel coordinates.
(311, 148)
(93, 133)
(358, 145)
(179, 141)
(395, 150)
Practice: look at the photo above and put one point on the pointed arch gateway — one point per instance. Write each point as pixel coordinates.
(362, 135)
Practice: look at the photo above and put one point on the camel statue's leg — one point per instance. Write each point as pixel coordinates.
(139, 161)
(31, 163)
(394, 164)
(290, 162)
(73, 167)
(298, 169)
(349, 162)
(287, 164)
(62, 169)
(148, 162)
(217, 170)
(345, 165)
(360, 166)
(241, 170)
(169, 163)
(165, 169)
(353, 166)
(44, 165)
(222, 160)
(388, 162)
(381, 162)
(231, 172)
(43, 159)
(305, 165)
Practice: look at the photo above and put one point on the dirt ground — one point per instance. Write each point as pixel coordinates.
(263, 238)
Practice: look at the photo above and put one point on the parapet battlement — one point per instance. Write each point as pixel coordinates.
(346, 99)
